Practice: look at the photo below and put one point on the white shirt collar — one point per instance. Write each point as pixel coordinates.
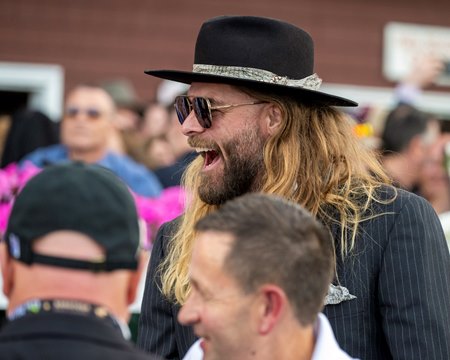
(325, 348)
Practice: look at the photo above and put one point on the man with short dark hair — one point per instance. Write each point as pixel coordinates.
(71, 265)
(256, 116)
(407, 138)
(252, 295)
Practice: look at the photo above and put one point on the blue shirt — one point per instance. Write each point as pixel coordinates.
(139, 179)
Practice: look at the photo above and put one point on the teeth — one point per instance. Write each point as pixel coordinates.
(200, 150)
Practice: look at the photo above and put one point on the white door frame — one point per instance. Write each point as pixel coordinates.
(44, 83)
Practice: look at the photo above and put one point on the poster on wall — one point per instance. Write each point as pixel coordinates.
(405, 44)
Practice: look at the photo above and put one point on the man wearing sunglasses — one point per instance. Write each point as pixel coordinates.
(85, 133)
(256, 116)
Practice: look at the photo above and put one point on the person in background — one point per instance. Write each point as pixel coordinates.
(71, 264)
(85, 128)
(158, 153)
(433, 182)
(432, 177)
(256, 116)
(29, 130)
(253, 297)
(129, 108)
(155, 122)
(407, 138)
(424, 72)
(153, 131)
(171, 174)
(126, 137)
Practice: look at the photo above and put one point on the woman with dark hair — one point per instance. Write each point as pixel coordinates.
(29, 130)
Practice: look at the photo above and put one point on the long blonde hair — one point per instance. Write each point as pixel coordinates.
(330, 170)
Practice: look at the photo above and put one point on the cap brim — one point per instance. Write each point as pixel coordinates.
(305, 95)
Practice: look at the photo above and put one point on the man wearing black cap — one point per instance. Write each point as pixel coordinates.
(256, 116)
(70, 264)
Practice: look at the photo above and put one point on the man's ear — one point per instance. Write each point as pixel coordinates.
(136, 276)
(7, 270)
(274, 119)
(272, 306)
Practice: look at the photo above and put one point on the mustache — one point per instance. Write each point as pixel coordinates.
(199, 143)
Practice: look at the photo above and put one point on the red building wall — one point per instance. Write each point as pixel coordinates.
(102, 39)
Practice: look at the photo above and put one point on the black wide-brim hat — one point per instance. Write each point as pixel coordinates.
(266, 54)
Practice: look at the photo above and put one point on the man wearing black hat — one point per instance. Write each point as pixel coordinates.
(256, 116)
(70, 265)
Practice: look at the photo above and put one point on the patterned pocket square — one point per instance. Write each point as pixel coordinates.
(337, 294)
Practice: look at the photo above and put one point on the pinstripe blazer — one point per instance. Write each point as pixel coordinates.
(399, 272)
(158, 326)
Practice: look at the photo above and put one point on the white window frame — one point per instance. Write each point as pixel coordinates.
(44, 83)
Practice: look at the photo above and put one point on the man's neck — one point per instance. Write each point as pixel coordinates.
(300, 346)
(87, 156)
(119, 312)
(68, 306)
(297, 344)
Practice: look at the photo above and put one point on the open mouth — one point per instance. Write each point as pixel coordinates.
(210, 156)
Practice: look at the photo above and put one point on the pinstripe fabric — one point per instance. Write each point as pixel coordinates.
(159, 332)
(399, 272)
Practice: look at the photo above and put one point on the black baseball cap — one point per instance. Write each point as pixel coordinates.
(88, 199)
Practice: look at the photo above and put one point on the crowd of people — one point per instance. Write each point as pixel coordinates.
(414, 142)
(140, 141)
(298, 241)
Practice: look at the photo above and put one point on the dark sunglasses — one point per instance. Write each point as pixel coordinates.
(202, 109)
(91, 113)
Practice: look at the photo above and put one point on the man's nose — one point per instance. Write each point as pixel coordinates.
(188, 314)
(191, 126)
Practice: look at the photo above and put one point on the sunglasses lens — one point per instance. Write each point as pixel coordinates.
(202, 111)
(183, 108)
(72, 112)
(93, 113)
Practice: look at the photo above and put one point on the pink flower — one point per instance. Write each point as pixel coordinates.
(156, 211)
(8, 182)
(5, 211)
(5, 188)
(27, 171)
(12, 180)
